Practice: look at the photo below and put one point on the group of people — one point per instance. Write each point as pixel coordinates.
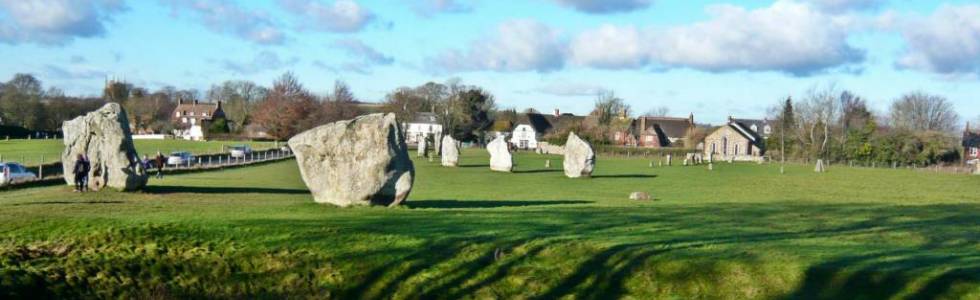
(83, 167)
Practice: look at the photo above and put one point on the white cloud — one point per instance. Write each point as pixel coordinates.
(846, 5)
(518, 45)
(788, 36)
(55, 22)
(74, 72)
(362, 57)
(227, 17)
(605, 6)
(947, 42)
(263, 61)
(611, 47)
(340, 16)
(570, 89)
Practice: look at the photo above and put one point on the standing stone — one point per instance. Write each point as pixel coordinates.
(579, 157)
(820, 167)
(104, 137)
(711, 166)
(356, 162)
(500, 158)
(651, 164)
(547, 164)
(685, 162)
(422, 144)
(670, 160)
(711, 158)
(450, 152)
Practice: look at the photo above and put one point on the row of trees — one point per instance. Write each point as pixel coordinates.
(838, 126)
(288, 108)
(25, 103)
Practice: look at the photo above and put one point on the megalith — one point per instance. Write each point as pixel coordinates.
(103, 137)
(500, 158)
(579, 157)
(450, 151)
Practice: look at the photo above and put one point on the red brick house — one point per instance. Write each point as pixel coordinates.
(655, 132)
(971, 145)
(191, 119)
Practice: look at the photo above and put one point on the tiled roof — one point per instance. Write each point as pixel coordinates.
(971, 139)
(672, 127)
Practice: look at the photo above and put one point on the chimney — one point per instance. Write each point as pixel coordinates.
(690, 118)
(643, 124)
(557, 112)
(731, 119)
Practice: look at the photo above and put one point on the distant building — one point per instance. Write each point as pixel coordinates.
(531, 128)
(191, 119)
(735, 141)
(655, 132)
(424, 125)
(971, 146)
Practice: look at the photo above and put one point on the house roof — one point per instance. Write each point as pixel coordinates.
(971, 139)
(748, 123)
(672, 127)
(198, 109)
(745, 131)
(545, 124)
(425, 118)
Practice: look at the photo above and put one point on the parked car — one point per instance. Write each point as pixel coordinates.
(240, 151)
(285, 149)
(11, 173)
(179, 158)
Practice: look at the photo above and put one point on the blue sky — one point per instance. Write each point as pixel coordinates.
(712, 58)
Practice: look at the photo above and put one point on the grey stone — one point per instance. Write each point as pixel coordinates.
(500, 158)
(547, 163)
(423, 144)
(579, 157)
(356, 162)
(104, 137)
(450, 151)
(639, 196)
(670, 160)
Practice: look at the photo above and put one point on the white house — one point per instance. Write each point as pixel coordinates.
(524, 137)
(421, 127)
(530, 128)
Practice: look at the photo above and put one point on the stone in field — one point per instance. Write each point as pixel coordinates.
(579, 157)
(670, 160)
(500, 157)
(356, 162)
(104, 137)
(450, 151)
(422, 146)
(639, 196)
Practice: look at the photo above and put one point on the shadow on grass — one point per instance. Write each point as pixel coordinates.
(486, 203)
(474, 166)
(68, 202)
(536, 171)
(621, 176)
(157, 189)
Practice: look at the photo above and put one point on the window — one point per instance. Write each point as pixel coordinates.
(178, 114)
(183, 120)
(755, 128)
(650, 139)
(724, 145)
(768, 130)
(192, 114)
(619, 136)
(737, 149)
(974, 151)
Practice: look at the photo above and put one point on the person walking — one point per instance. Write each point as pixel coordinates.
(79, 171)
(160, 161)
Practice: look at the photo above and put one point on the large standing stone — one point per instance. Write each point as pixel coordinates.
(579, 157)
(423, 144)
(500, 157)
(104, 137)
(357, 162)
(450, 152)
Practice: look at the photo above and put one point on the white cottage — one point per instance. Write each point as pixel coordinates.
(530, 128)
(421, 127)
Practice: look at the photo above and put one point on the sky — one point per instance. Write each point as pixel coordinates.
(711, 58)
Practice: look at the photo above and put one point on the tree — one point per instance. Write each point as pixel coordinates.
(287, 108)
(340, 105)
(815, 115)
(239, 98)
(117, 91)
(404, 103)
(20, 102)
(470, 114)
(918, 111)
(608, 107)
(661, 111)
(854, 118)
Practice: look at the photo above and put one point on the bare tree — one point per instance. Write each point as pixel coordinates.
(661, 111)
(814, 115)
(918, 111)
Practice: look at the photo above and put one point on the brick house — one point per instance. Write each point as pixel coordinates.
(735, 141)
(191, 119)
(655, 132)
(971, 146)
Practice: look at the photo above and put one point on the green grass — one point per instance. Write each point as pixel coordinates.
(30, 152)
(739, 232)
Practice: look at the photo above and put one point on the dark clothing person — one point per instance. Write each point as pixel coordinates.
(82, 167)
(160, 162)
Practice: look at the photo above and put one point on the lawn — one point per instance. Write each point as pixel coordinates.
(741, 231)
(30, 152)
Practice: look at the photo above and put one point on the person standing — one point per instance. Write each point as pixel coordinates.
(160, 161)
(79, 172)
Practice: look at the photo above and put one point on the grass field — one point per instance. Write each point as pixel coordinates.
(739, 232)
(30, 152)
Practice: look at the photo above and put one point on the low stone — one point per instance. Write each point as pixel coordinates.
(357, 162)
(500, 158)
(450, 151)
(670, 160)
(711, 166)
(639, 196)
(422, 146)
(579, 157)
(547, 163)
(104, 137)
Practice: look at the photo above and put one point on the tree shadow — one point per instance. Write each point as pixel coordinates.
(615, 176)
(68, 202)
(456, 204)
(536, 171)
(156, 189)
